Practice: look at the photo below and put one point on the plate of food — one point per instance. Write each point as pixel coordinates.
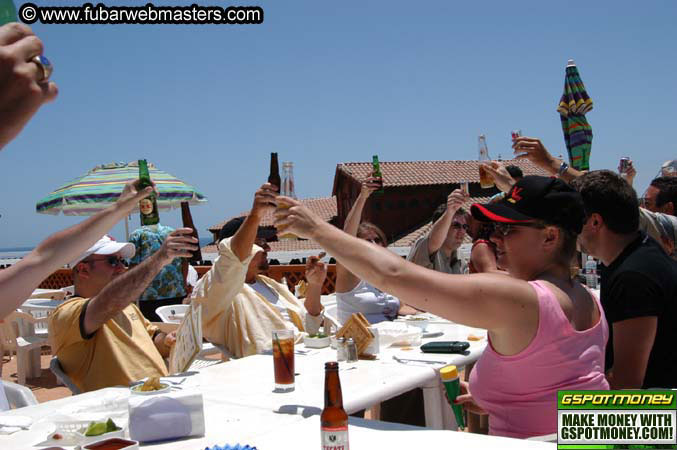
(318, 340)
(151, 386)
(418, 322)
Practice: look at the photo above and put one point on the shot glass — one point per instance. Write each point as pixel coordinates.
(465, 187)
(283, 360)
(515, 134)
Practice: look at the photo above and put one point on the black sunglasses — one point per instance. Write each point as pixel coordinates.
(505, 228)
(459, 225)
(112, 261)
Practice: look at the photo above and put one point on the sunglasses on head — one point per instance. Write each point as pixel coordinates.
(505, 228)
(459, 225)
(113, 261)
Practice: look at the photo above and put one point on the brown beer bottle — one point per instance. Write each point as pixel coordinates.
(188, 223)
(334, 420)
(274, 177)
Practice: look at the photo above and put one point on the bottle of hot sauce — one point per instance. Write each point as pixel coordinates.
(333, 420)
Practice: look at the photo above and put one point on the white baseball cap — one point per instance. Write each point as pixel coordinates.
(107, 246)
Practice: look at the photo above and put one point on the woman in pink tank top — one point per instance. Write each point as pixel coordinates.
(546, 331)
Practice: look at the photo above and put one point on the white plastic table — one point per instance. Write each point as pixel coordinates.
(374, 434)
(249, 382)
(224, 422)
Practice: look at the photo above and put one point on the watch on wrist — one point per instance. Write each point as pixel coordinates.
(562, 168)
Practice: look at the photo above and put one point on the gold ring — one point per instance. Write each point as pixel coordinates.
(45, 65)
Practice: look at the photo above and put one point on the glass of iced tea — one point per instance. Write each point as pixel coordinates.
(283, 360)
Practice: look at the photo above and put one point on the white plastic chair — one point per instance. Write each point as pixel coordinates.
(18, 396)
(57, 370)
(17, 335)
(171, 313)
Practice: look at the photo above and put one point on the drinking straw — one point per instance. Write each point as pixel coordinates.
(279, 347)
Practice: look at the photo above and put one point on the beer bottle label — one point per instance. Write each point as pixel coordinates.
(335, 438)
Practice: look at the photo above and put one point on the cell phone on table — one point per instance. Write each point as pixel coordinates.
(445, 347)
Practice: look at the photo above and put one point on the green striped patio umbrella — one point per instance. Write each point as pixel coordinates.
(102, 186)
(573, 106)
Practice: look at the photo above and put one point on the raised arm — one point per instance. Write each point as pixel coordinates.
(345, 280)
(18, 281)
(264, 202)
(22, 87)
(316, 272)
(126, 288)
(491, 301)
(440, 229)
(354, 217)
(534, 150)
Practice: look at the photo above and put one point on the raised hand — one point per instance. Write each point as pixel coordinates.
(22, 88)
(264, 200)
(533, 150)
(316, 270)
(370, 185)
(499, 173)
(178, 244)
(131, 194)
(455, 200)
(292, 217)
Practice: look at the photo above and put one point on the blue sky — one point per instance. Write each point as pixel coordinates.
(327, 82)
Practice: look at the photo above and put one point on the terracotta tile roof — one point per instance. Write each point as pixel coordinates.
(410, 238)
(324, 207)
(425, 173)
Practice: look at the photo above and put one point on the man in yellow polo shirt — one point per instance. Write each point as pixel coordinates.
(100, 337)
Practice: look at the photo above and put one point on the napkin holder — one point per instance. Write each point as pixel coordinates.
(166, 416)
(357, 327)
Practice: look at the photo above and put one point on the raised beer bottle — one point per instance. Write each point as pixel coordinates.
(485, 179)
(274, 176)
(7, 12)
(333, 420)
(148, 205)
(188, 223)
(376, 173)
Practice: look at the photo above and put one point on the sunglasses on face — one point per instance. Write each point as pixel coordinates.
(505, 228)
(459, 225)
(113, 261)
(375, 240)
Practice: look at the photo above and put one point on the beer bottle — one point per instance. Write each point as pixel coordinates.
(188, 223)
(376, 173)
(333, 420)
(148, 205)
(274, 177)
(7, 12)
(485, 179)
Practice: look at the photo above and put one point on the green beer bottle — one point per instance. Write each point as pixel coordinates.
(148, 205)
(7, 12)
(376, 173)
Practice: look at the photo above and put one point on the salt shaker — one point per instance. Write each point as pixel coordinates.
(341, 351)
(351, 350)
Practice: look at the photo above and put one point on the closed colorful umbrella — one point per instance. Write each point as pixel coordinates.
(573, 106)
(102, 186)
